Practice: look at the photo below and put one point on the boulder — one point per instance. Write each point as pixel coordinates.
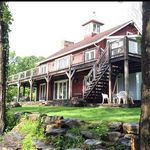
(74, 149)
(88, 135)
(72, 136)
(115, 126)
(113, 136)
(92, 142)
(42, 145)
(131, 128)
(52, 119)
(12, 141)
(70, 123)
(55, 131)
(15, 104)
(34, 116)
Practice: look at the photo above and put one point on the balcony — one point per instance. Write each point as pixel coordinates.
(118, 46)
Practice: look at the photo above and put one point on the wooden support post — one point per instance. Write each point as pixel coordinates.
(110, 84)
(31, 88)
(126, 79)
(110, 73)
(48, 78)
(70, 75)
(18, 93)
(126, 70)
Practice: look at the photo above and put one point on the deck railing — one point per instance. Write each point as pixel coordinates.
(117, 46)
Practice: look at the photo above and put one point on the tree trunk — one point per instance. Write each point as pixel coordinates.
(145, 102)
(2, 104)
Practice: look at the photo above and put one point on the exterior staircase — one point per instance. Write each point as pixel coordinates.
(97, 80)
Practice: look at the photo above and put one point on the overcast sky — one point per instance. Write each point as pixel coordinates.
(39, 27)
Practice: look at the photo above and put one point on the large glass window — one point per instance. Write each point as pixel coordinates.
(89, 55)
(42, 94)
(62, 63)
(60, 91)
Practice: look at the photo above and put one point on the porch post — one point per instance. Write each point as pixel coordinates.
(126, 70)
(31, 88)
(48, 78)
(110, 84)
(18, 92)
(70, 75)
(110, 74)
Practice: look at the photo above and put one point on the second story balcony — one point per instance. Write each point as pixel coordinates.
(118, 47)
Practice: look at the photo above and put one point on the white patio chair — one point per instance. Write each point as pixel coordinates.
(122, 96)
(105, 97)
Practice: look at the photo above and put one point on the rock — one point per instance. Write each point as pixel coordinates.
(132, 128)
(74, 149)
(125, 141)
(34, 116)
(57, 131)
(92, 142)
(15, 104)
(70, 135)
(115, 126)
(12, 141)
(72, 122)
(42, 145)
(52, 119)
(88, 135)
(17, 115)
(113, 136)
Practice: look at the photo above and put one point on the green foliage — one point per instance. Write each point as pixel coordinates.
(18, 64)
(10, 120)
(31, 130)
(63, 142)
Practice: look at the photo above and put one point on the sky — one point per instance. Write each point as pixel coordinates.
(40, 27)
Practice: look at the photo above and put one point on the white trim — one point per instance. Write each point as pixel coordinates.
(87, 44)
(60, 81)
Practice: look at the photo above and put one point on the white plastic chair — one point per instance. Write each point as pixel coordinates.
(105, 97)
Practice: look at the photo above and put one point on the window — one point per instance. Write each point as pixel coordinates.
(42, 93)
(62, 63)
(96, 28)
(129, 33)
(89, 55)
(43, 69)
(60, 89)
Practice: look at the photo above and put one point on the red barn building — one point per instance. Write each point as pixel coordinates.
(103, 62)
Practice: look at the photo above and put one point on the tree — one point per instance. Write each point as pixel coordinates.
(18, 64)
(145, 103)
(5, 20)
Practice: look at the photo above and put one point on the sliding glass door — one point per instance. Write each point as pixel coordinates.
(60, 89)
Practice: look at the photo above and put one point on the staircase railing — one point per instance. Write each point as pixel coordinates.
(96, 68)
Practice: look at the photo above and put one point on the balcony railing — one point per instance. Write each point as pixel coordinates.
(117, 48)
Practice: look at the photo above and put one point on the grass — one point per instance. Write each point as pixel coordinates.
(98, 117)
(93, 115)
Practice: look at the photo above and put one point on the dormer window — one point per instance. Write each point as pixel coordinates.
(92, 28)
(96, 28)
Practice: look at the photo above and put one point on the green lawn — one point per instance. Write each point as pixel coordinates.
(95, 115)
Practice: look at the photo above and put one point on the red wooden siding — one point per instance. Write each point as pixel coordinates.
(78, 58)
(77, 86)
(129, 28)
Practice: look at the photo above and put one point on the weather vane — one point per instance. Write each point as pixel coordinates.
(94, 14)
